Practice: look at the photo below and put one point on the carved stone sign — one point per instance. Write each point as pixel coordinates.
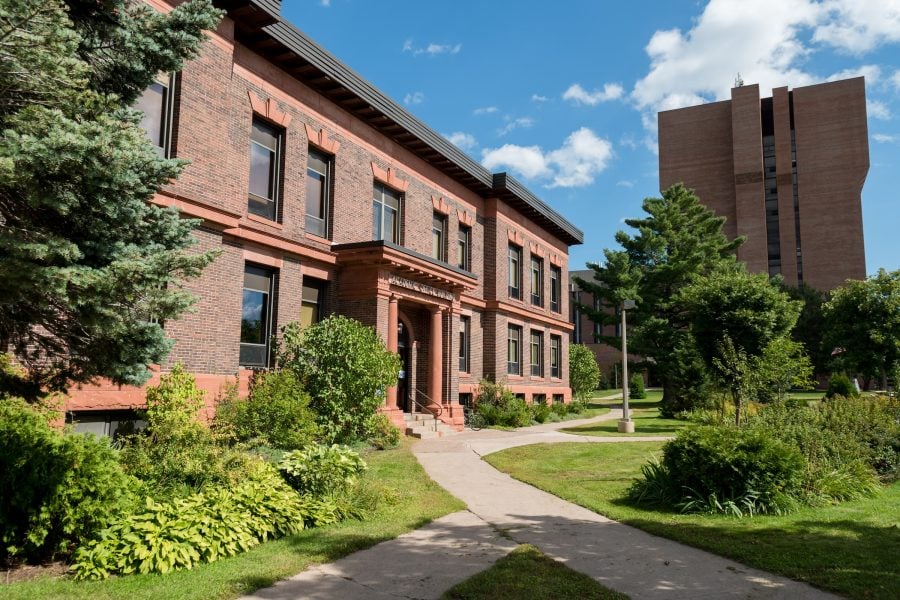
(420, 287)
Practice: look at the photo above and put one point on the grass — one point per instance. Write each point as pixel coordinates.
(420, 501)
(850, 548)
(644, 413)
(527, 573)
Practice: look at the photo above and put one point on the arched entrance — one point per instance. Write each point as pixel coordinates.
(403, 348)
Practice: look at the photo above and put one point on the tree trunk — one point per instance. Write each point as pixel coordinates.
(738, 401)
(883, 379)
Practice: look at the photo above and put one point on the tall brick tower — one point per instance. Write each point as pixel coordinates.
(786, 171)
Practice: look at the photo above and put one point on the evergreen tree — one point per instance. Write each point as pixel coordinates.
(89, 267)
(678, 240)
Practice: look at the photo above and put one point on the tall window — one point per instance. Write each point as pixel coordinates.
(537, 280)
(514, 351)
(386, 214)
(313, 301)
(555, 288)
(256, 316)
(318, 187)
(157, 104)
(265, 166)
(555, 355)
(439, 237)
(465, 340)
(537, 353)
(464, 241)
(515, 272)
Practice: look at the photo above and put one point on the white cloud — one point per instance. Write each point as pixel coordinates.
(578, 95)
(460, 139)
(538, 98)
(414, 98)
(513, 124)
(878, 110)
(858, 26)
(431, 49)
(325, 3)
(576, 163)
(895, 79)
(884, 138)
(625, 183)
(485, 110)
(872, 73)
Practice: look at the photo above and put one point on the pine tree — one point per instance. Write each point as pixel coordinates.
(88, 267)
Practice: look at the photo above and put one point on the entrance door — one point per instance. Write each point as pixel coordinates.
(403, 380)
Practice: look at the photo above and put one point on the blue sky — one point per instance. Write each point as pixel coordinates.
(564, 95)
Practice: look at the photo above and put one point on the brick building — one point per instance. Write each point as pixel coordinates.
(325, 196)
(786, 171)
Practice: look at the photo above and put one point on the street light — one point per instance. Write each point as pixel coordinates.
(626, 425)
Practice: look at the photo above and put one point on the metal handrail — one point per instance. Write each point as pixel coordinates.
(424, 407)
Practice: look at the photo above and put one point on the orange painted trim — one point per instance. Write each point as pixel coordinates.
(505, 307)
(321, 140)
(473, 301)
(536, 249)
(191, 208)
(264, 221)
(271, 241)
(465, 217)
(315, 238)
(316, 272)
(268, 109)
(515, 237)
(440, 205)
(389, 177)
(555, 260)
(264, 258)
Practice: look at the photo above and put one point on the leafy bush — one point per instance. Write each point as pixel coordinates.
(636, 387)
(540, 412)
(176, 454)
(345, 367)
(57, 490)
(164, 536)
(561, 409)
(840, 385)
(724, 469)
(276, 413)
(584, 373)
(382, 433)
(499, 406)
(322, 470)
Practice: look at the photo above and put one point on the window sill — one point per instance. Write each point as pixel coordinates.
(264, 221)
(315, 238)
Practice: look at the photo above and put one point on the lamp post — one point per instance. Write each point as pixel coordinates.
(626, 425)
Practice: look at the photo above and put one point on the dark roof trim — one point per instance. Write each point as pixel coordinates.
(406, 251)
(483, 181)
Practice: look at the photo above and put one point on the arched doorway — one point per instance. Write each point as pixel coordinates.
(403, 347)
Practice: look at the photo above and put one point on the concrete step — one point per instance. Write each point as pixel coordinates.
(422, 434)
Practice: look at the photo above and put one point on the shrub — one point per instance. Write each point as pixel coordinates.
(584, 373)
(840, 385)
(540, 412)
(275, 414)
(181, 533)
(346, 369)
(382, 433)
(57, 490)
(177, 454)
(560, 410)
(636, 387)
(499, 406)
(321, 470)
(724, 469)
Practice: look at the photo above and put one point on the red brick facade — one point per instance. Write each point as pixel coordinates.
(219, 95)
(777, 167)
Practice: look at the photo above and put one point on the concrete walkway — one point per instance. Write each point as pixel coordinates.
(503, 513)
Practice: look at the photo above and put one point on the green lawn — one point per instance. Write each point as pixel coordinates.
(644, 413)
(851, 548)
(419, 501)
(526, 573)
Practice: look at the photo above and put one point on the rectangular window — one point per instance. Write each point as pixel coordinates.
(439, 237)
(318, 190)
(515, 272)
(555, 356)
(555, 288)
(465, 238)
(158, 105)
(265, 167)
(514, 351)
(539, 399)
(386, 214)
(558, 399)
(313, 302)
(465, 341)
(256, 316)
(537, 280)
(537, 354)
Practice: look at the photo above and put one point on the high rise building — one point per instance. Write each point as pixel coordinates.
(786, 172)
